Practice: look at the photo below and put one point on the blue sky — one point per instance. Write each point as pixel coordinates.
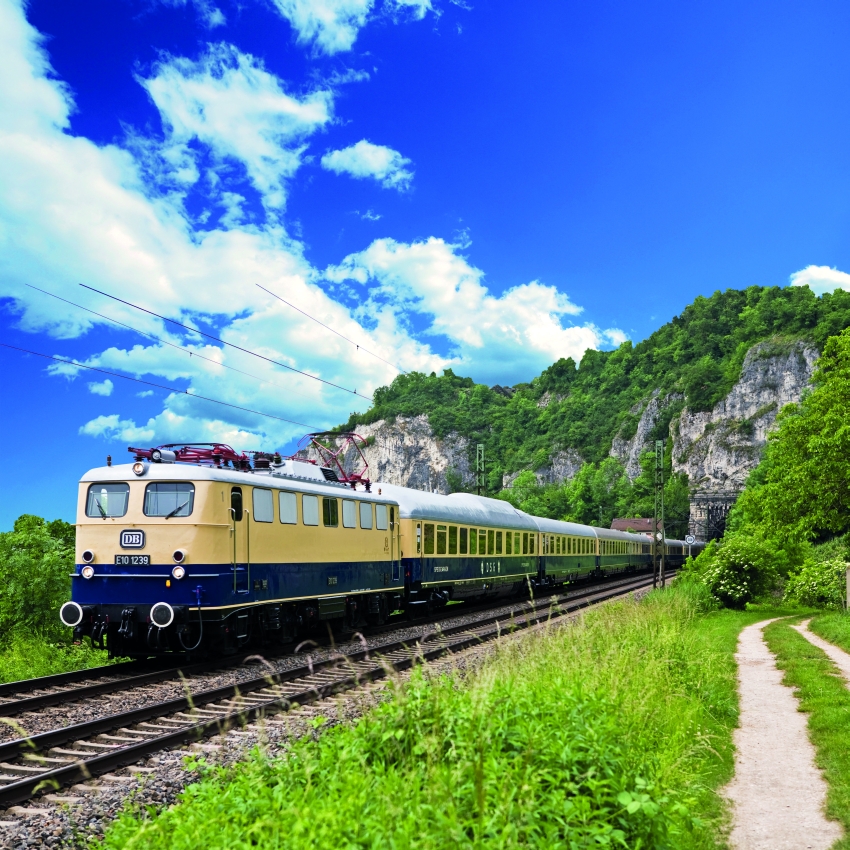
(482, 185)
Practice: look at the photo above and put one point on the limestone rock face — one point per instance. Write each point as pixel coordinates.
(628, 451)
(719, 448)
(405, 452)
(562, 466)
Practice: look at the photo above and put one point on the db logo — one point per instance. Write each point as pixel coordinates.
(132, 538)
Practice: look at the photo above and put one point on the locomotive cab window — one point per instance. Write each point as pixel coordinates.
(263, 505)
(170, 499)
(105, 500)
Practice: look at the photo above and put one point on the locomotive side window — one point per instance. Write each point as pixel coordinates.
(441, 540)
(365, 514)
(429, 539)
(263, 505)
(349, 514)
(107, 500)
(330, 512)
(381, 517)
(171, 499)
(236, 503)
(288, 504)
(464, 541)
(310, 510)
(473, 541)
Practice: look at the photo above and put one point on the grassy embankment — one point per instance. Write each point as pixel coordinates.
(823, 694)
(26, 657)
(615, 732)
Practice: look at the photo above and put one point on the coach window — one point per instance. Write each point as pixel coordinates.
(171, 499)
(491, 546)
(349, 514)
(453, 540)
(381, 517)
(464, 541)
(330, 512)
(498, 542)
(482, 542)
(107, 500)
(508, 543)
(429, 539)
(473, 541)
(288, 504)
(263, 505)
(365, 514)
(310, 510)
(525, 543)
(441, 540)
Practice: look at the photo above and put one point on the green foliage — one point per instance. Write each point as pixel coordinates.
(739, 570)
(36, 559)
(24, 656)
(613, 732)
(601, 491)
(818, 583)
(698, 354)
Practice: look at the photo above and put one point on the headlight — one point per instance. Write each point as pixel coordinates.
(88, 557)
(87, 572)
(162, 614)
(179, 556)
(178, 573)
(139, 468)
(71, 614)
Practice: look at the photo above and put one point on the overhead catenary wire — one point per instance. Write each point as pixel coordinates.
(189, 351)
(229, 344)
(328, 327)
(158, 386)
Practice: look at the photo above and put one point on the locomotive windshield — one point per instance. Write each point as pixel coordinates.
(169, 499)
(107, 500)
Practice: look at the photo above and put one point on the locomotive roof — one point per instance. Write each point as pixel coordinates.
(257, 478)
(465, 508)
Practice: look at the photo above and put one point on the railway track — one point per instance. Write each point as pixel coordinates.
(50, 760)
(63, 688)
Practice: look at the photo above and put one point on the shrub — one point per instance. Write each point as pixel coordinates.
(36, 558)
(820, 583)
(737, 571)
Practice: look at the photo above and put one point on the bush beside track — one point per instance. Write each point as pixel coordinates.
(614, 731)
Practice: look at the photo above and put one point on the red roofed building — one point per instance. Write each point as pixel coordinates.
(639, 525)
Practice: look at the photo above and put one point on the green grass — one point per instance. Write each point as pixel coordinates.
(833, 626)
(823, 694)
(26, 657)
(615, 731)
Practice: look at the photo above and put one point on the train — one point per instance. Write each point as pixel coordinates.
(199, 549)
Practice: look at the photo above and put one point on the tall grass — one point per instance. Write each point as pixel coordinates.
(614, 731)
(25, 656)
(833, 626)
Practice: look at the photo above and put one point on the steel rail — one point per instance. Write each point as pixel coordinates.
(84, 768)
(57, 697)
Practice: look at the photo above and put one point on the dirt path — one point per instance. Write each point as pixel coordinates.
(777, 794)
(839, 657)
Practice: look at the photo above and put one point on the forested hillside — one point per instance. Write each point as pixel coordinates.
(584, 406)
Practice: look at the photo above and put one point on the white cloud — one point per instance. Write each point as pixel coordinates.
(208, 12)
(101, 387)
(370, 215)
(72, 211)
(505, 338)
(364, 159)
(330, 25)
(230, 103)
(145, 394)
(821, 279)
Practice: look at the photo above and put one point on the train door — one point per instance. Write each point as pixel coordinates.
(395, 547)
(241, 556)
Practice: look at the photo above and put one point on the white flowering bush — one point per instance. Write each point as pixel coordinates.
(739, 570)
(819, 583)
